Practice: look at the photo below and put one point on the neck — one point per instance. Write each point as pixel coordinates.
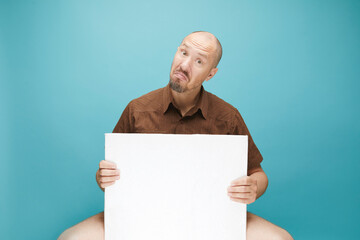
(186, 100)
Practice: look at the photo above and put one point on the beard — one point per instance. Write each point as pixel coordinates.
(176, 86)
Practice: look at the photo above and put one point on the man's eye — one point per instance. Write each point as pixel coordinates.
(183, 52)
(199, 61)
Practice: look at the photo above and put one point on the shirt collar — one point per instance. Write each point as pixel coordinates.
(201, 104)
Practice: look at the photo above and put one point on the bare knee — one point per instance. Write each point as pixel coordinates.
(258, 228)
(91, 228)
(282, 234)
(69, 234)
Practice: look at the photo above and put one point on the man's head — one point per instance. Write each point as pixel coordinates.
(195, 61)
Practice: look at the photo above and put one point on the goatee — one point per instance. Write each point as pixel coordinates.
(176, 86)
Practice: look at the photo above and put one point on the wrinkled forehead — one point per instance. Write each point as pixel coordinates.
(200, 41)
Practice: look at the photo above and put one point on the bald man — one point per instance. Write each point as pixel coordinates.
(184, 107)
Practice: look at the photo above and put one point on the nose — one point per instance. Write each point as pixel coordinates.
(185, 65)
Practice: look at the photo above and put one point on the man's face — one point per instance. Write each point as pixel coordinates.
(193, 63)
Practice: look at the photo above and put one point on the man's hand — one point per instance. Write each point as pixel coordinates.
(107, 174)
(243, 190)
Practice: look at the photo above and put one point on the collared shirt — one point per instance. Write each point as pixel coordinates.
(156, 112)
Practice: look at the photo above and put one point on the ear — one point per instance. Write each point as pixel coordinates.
(211, 74)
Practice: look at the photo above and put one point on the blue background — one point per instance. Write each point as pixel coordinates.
(68, 69)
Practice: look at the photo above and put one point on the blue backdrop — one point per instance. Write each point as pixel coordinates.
(68, 69)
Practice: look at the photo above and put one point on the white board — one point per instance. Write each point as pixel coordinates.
(174, 187)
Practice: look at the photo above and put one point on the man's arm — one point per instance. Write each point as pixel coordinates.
(261, 180)
(249, 188)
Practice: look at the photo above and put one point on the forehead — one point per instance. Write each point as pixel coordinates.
(200, 42)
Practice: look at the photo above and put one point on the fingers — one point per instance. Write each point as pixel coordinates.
(243, 181)
(243, 197)
(107, 164)
(240, 200)
(243, 190)
(104, 185)
(240, 195)
(109, 179)
(240, 189)
(106, 172)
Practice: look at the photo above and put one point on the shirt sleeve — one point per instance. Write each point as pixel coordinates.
(124, 125)
(254, 155)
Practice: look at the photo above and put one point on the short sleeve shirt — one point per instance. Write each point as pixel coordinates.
(156, 112)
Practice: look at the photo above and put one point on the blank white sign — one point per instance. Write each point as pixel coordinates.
(174, 187)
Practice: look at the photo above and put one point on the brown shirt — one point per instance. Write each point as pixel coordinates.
(156, 112)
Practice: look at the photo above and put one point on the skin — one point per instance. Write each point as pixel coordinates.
(194, 62)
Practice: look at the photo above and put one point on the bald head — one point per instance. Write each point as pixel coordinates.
(210, 42)
(195, 61)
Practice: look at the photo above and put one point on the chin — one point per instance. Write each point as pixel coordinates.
(176, 86)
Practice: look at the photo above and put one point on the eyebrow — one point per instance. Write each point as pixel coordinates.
(201, 54)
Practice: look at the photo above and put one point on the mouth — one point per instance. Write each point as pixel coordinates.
(181, 76)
